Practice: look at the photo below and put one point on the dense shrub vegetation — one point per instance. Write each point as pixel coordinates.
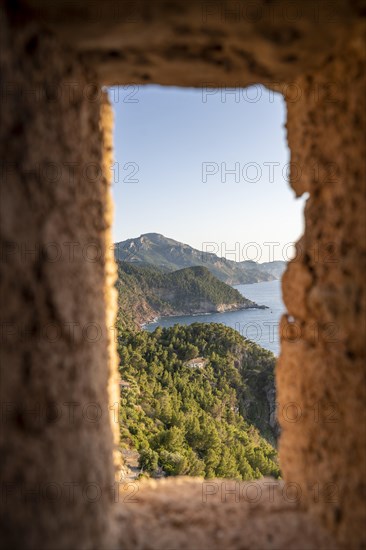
(146, 292)
(196, 421)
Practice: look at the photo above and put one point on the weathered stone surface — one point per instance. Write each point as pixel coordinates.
(110, 292)
(321, 366)
(189, 43)
(55, 56)
(55, 427)
(186, 513)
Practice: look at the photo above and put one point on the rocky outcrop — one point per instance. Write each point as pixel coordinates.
(196, 306)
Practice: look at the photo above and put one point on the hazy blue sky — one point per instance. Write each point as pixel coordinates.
(174, 149)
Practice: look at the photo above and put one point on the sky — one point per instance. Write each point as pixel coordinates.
(207, 168)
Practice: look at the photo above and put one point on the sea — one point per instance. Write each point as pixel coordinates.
(259, 325)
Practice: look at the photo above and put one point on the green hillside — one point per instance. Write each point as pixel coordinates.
(197, 421)
(146, 292)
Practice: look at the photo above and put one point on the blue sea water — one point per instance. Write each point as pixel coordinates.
(259, 325)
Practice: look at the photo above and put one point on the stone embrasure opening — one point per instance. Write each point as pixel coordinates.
(186, 436)
(44, 46)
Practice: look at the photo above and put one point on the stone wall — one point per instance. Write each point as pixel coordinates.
(321, 369)
(110, 292)
(205, 42)
(56, 435)
(57, 271)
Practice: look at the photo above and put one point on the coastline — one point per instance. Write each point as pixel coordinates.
(260, 325)
(198, 314)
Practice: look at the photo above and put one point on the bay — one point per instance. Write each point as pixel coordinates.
(259, 325)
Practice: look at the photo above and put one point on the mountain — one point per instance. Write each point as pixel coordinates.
(146, 292)
(275, 268)
(170, 255)
(212, 417)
